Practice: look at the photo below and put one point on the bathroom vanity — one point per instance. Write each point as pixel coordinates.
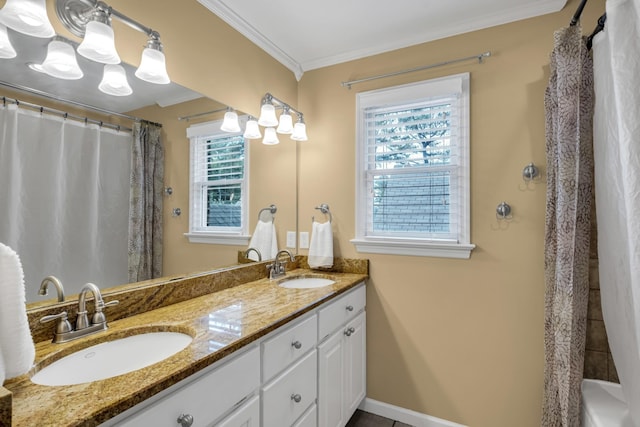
(261, 355)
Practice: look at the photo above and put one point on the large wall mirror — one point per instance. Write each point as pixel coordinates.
(272, 174)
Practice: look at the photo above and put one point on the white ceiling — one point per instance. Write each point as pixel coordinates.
(305, 35)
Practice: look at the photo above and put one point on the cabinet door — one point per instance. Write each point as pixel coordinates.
(247, 415)
(331, 381)
(355, 361)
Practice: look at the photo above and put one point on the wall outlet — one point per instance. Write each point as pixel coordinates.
(291, 239)
(304, 239)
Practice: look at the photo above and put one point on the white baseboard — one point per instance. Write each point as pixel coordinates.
(403, 415)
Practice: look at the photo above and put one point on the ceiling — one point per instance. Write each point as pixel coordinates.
(305, 35)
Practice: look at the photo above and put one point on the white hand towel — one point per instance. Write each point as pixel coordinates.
(264, 240)
(321, 247)
(16, 343)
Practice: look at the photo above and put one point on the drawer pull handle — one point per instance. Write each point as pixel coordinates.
(185, 420)
(296, 398)
(349, 308)
(349, 331)
(297, 345)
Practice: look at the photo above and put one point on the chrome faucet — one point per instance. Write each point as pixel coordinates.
(44, 287)
(64, 331)
(278, 269)
(246, 253)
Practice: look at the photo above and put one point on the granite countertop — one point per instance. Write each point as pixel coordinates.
(251, 310)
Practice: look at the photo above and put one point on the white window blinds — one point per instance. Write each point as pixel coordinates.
(413, 166)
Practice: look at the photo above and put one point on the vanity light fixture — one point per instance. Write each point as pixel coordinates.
(114, 81)
(299, 130)
(153, 68)
(286, 122)
(6, 48)
(270, 137)
(267, 112)
(230, 122)
(27, 17)
(61, 61)
(252, 130)
(99, 41)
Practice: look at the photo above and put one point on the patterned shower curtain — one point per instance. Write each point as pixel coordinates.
(145, 203)
(569, 116)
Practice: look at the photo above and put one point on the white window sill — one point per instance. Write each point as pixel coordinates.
(218, 239)
(414, 248)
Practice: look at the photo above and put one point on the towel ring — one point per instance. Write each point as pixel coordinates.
(271, 211)
(324, 208)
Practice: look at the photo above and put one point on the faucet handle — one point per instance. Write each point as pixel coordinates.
(63, 325)
(98, 316)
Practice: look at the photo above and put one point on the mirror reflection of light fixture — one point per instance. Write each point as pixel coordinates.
(6, 48)
(61, 61)
(267, 113)
(252, 130)
(286, 122)
(230, 122)
(28, 17)
(99, 41)
(299, 130)
(270, 137)
(114, 81)
(153, 68)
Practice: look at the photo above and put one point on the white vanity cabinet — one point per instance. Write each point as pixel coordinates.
(247, 415)
(205, 399)
(342, 359)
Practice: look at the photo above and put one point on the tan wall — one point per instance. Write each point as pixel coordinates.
(457, 339)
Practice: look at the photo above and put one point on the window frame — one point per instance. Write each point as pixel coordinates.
(367, 242)
(215, 235)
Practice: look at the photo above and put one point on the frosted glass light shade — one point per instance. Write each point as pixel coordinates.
(61, 61)
(286, 124)
(27, 17)
(299, 132)
(153, 68)
(114, 81)
(252, 130)
(99, 44)
(270, 137)
(230, 122)
(268, 116)
(6, 48)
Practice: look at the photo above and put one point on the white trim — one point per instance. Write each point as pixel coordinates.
(400, 247)
(298, 68)
(403, 415)
(218, 239)
(246, 29)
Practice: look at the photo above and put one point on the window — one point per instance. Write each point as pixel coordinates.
(218, 185)
(412, 183)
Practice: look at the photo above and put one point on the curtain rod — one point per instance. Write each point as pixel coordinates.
(69, 102)
(63, 114)
(576, 15)
(205, 113)
(478, 57)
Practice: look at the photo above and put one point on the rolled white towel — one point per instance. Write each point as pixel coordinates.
(321, 247)
(264, 239)
(16, 343)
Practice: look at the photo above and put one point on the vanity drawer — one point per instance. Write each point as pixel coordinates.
(288, 345)
(206, 398)
(341, 311)
(309, 419)
(287, 397)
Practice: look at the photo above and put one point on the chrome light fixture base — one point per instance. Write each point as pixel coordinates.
(75, 14)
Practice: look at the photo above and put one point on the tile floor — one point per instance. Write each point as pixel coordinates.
(365, 419)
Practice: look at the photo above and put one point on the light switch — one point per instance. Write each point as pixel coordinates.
(304, 239)
(291, 239)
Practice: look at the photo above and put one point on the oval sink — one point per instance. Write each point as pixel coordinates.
(112, 358)
(306, 282)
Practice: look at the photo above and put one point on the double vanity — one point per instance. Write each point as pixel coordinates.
(250, 351)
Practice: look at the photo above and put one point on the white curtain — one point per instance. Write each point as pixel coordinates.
(617, 176)
(64, 199)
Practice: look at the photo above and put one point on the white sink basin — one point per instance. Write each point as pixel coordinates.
(306, 282)
(112, 358)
